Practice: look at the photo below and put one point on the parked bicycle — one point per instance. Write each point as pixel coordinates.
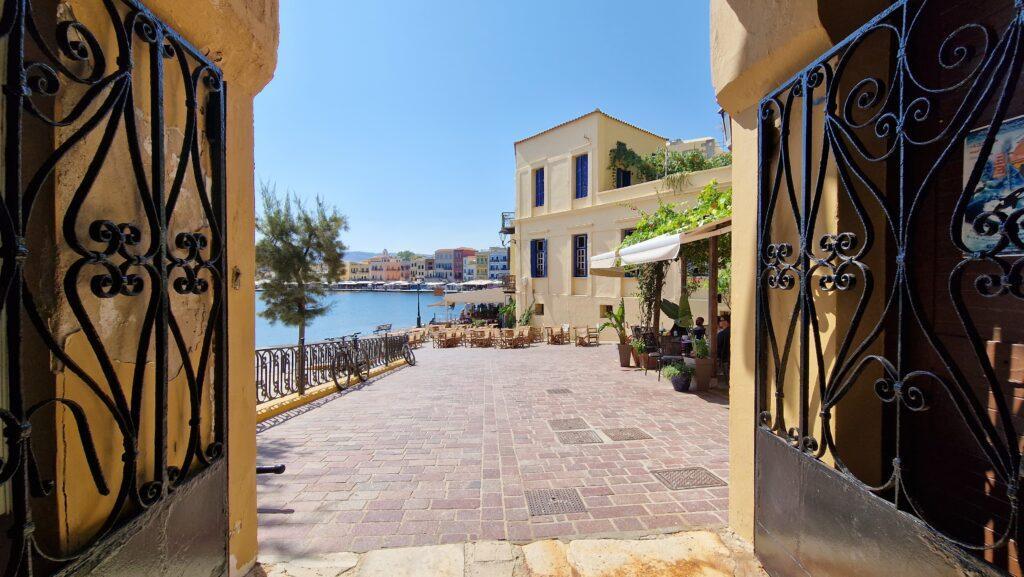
(350, 359)
(390, 352)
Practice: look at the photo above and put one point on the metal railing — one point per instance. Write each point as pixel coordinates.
(277, 367)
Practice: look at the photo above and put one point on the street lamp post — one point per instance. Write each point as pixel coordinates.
(419, 323)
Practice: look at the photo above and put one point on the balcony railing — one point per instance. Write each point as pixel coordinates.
(508, 283)
(277, 367)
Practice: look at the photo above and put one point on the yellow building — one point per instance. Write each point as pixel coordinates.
(359, 271)
(569, 208)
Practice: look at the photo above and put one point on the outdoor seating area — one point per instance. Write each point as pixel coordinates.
(491, 336)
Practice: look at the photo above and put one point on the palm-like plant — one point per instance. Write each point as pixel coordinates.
(617, 320)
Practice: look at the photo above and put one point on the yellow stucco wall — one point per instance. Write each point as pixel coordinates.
(241, 36)
(755, 46)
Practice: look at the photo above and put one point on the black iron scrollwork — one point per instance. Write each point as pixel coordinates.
(164, 264)
(886, 137)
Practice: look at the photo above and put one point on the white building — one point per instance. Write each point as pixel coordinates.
(497, 263)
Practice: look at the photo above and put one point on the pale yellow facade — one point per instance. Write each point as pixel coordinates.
(604, 216)
(359, 270)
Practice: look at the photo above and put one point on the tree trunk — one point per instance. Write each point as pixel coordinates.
(300, 360)
(659, 278)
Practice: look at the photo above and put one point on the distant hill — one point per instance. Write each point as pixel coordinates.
(358, 255)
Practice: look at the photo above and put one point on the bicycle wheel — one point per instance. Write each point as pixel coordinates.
(361, 364)
(410, 357)
(339, 370)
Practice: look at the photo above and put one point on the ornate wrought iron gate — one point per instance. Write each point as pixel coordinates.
(113, 392)
(891, 301)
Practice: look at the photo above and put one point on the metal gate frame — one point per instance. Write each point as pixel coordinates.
(894, 108)
(115, 260)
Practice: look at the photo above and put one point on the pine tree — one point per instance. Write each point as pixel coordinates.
(300, 252)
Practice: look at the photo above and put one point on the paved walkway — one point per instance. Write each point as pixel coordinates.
(691, 554)
(450, 450)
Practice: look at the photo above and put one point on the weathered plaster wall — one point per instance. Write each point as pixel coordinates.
(755, 46)
(241, 36)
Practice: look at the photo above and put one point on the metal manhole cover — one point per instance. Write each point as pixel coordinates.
(559, 391)
(568, 424)
(554, 502)
(626, 434)
(578, 437)
(688, 478)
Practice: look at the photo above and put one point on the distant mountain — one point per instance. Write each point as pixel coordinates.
(358, 255)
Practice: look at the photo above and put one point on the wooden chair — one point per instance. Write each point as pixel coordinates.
(579, 337)
(480, 338)
(506, 338)
(521, 338)
(593, 336)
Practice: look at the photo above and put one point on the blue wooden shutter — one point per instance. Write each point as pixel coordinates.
(538, 187)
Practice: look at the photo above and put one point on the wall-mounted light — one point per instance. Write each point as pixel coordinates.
(726, 128)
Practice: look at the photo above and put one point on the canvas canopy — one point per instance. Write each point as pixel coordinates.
(659, 248)
(480, 297)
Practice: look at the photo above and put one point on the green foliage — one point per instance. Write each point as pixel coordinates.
(406, 255)
(680, 313)
(701, 349)
(677, 369)
(712, 204)
(653, 165)
(524, 320)
(639, 346)
(299, 250)
(508, 313)
(617, 320)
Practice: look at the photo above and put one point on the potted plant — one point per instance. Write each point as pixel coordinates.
(642, 356)
(680, 375)
(617, 320)
(705, 365)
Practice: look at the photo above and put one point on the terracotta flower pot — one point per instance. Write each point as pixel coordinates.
(702, 375)
(625, 352)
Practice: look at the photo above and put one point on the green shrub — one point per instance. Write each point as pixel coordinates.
(677, 369)
(639, 346)
(701, 349)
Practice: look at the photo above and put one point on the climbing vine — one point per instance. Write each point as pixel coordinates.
(713, 203)
(655, 165)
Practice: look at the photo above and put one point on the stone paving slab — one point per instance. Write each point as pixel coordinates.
(443, 452)
(691, 554)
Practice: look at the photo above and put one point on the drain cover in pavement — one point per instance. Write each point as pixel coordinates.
(554, 502)
(626, 434)
(559, 391)
(568, 424)
(578, 437)
(688, 478)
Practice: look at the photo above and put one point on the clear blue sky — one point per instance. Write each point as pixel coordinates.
(403, 114)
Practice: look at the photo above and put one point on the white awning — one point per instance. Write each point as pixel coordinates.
(659, 248)
(484, 296)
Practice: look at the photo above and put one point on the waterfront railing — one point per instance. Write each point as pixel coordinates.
(277, 367)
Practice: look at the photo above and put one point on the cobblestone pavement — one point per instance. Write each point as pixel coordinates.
(450, 450)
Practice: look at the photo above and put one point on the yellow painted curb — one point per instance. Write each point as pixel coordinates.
(294, 400)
